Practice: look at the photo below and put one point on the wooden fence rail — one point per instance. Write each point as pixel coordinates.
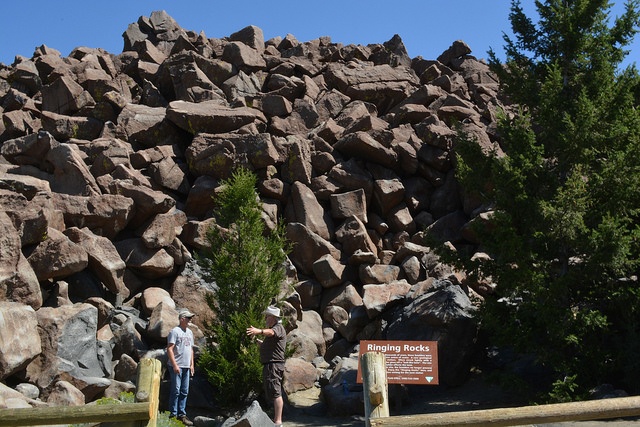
(560, 412)
(145, 409)
(73, 414)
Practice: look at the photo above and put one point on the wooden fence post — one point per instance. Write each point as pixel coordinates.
(374, 381)
(148, 387)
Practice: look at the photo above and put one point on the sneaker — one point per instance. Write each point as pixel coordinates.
(186, 421)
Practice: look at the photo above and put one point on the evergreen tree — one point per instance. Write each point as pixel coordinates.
(247, 265)
(564, 241)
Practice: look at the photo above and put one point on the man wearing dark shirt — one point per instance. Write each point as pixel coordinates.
(272, 358)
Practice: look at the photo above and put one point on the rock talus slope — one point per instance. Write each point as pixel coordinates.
(109, 165)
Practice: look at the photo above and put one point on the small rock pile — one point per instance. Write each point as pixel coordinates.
(108, 169)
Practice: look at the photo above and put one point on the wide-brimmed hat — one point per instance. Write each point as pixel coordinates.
(185, 313)
(272, 311)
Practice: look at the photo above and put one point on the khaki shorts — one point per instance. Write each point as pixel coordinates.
(272, 376)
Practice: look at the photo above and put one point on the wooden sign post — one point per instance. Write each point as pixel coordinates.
(374, 375)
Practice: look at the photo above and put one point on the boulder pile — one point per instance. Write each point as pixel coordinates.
(109, 165)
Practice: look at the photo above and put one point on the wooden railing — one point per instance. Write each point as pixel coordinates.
(377, 407)
(142, 413)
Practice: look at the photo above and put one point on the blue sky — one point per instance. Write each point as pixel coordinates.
(427, 27)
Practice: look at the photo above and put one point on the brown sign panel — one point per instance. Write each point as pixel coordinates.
(408, 362)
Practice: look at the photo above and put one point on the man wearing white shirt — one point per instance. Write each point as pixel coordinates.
(181, 367)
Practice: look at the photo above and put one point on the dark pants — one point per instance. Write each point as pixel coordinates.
(272, 375)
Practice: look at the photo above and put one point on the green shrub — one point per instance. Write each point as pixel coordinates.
(247, 264)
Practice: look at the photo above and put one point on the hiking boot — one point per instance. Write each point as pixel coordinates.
(186, 421)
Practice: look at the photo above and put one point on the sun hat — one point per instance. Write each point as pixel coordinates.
(185, 313)
(272, 311)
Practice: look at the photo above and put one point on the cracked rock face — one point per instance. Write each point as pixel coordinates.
(109, 164)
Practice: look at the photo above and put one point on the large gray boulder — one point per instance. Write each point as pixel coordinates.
(70, 350)
(445, 314)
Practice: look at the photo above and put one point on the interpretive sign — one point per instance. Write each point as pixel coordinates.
(408, 362)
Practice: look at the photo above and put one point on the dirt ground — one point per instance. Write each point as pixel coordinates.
(306, 409)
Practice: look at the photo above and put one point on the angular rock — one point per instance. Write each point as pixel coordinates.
(297, 165)
(149, 126)
(18, 281)
(194, 233)
(154, 296)
(377, 298)
(163, 318)
(252, 36)
(400, 219)
(29, 149)
(254, 416)
(309, 329)
(25, 77)
(308, 247)
(378, 273)
(63, 393)
(363, 145)
(217, 155)
(147, 263)
(18, 344)
(57, 256)
(147, 202)
(276, 105)
(69, 347)
(105, 215)
(310, 292)
(110, 155)
(329, 271)
(243, 89)
(353, 236)
(211, 117)
(381, 84)
(163, 229)
(412, 271)
(127, 340)
(126, 369)
(345, 296)
(172, 174)
(200, 200)
(103, 258)
(18, 123)
(351, 203)
(65, 96)
(191, 84)
(299, 375)
(308, 211)
(335, 316)
(243, 56)
(190, 291)
(387, 193)
(341, 395)
(70, 173)
(456, 50)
